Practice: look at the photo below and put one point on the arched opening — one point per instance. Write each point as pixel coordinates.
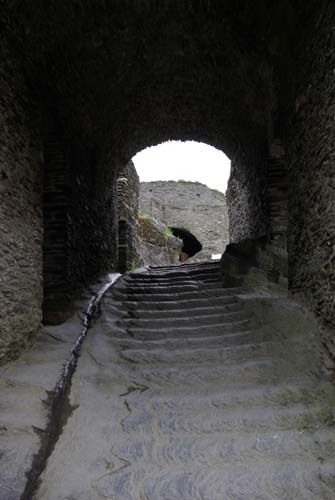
(183, 184)
(188, 160)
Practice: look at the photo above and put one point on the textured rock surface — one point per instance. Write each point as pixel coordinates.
(311, 242)
(247, 200)
(81, 227)
(191, 205)
(127, 201)
(155, 245)
(21, 229)
(187, 389)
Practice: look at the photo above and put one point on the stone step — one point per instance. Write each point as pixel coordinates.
(187, 266)
(181, 321)
(195, 312)
(178, 422)
(230, 375)
(236, 354)
(165, 305)
(121, 338)
(266, 481)
(299, 390)
(169, 287)
(178, 291)
(174, 283)
(191, 331)
(180, 296)
(174, 275)
(222, 448)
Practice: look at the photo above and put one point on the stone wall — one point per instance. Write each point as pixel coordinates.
(311, 145)
(80, 217)
(127, 196)
(247, 199)
(277, 193)
(21, 231)
(57, 290)
(92, 225)
(191, 205)
(257, 196)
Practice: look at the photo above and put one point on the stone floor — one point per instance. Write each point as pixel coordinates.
(187, 390)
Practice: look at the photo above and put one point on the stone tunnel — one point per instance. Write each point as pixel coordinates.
(85, 85)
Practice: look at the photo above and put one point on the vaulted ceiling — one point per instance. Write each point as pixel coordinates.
(134, 73)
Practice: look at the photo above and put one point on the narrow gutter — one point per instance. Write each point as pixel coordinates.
(58, 400)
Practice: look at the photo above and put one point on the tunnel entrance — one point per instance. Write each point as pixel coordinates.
(120, 77)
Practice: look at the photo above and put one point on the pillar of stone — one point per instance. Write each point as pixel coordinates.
(127, 193)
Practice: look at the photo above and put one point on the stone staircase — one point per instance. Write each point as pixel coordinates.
(196, 396)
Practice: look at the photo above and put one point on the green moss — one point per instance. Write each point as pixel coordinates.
(174, 254)
(183, 181)
(143, 214)
(167, 232)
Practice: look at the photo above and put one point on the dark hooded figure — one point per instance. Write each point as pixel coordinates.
(191, 245)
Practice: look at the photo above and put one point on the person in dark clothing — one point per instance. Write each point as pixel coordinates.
(191, 245)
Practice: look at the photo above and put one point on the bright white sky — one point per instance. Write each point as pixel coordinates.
(190, 161)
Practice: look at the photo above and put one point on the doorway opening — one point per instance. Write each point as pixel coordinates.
(181, 184)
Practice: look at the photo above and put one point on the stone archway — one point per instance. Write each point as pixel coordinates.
(123, 76)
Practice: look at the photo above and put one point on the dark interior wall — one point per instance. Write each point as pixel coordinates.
(247, 198)
(57, 291)
(311, 145)
(92, 223)
(21, 225)
(80, 225)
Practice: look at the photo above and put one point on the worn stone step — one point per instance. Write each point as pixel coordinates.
(194, 312)
(178, 422)
(298, 390)
(173, 282)
(187, 266)
(222, 448)
(230, 375)
(165, 295)
(169, 287)
(183, 331)
(189, 355)
(176, 274)
(178, 291)
(266, 481)
(161, 305)
(156, 289)
(121, 338)
(181, 321)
